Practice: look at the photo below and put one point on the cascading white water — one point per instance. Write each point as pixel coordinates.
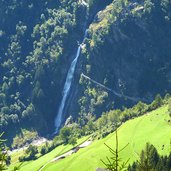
(67, 86)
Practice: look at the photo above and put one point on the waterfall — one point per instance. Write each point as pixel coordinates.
(67, 86)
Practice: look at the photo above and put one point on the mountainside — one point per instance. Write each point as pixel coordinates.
(127, 49)
(38, 42)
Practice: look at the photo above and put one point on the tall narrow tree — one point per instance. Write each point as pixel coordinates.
(3, 154)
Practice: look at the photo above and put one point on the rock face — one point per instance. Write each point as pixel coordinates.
(130, 53)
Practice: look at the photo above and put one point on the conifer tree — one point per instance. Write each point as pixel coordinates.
(3, 154)
(115, 163)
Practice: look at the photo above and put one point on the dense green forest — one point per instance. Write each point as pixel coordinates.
(37, 43)
(34, 35)
(127, 49)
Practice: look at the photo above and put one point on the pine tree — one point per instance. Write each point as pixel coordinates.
(148, 159)
(3, 154)
(115, 162)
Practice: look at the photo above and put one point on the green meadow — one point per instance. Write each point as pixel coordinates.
(35, 165)
(153, 127)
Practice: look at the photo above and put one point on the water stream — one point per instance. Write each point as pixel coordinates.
(67, 86)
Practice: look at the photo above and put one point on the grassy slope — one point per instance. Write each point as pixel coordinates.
(35, 165)
(15, 156)
(152, 127)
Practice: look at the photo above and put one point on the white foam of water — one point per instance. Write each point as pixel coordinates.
(67, 86)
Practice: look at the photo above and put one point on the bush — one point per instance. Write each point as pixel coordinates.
(156, 103)
(8, 160)
(43, 150)
(65, 134)
(30, 154)
(72, 141)
(21, 159)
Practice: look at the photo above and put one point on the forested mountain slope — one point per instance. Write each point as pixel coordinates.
(127, 49)
(38, 41)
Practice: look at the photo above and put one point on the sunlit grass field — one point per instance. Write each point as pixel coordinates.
(37, 164)
(152, 127)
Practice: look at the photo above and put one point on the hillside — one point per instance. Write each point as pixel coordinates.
(38, 41)
(73, 69)
(126, 48)
(153, 127)
(37, 164)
